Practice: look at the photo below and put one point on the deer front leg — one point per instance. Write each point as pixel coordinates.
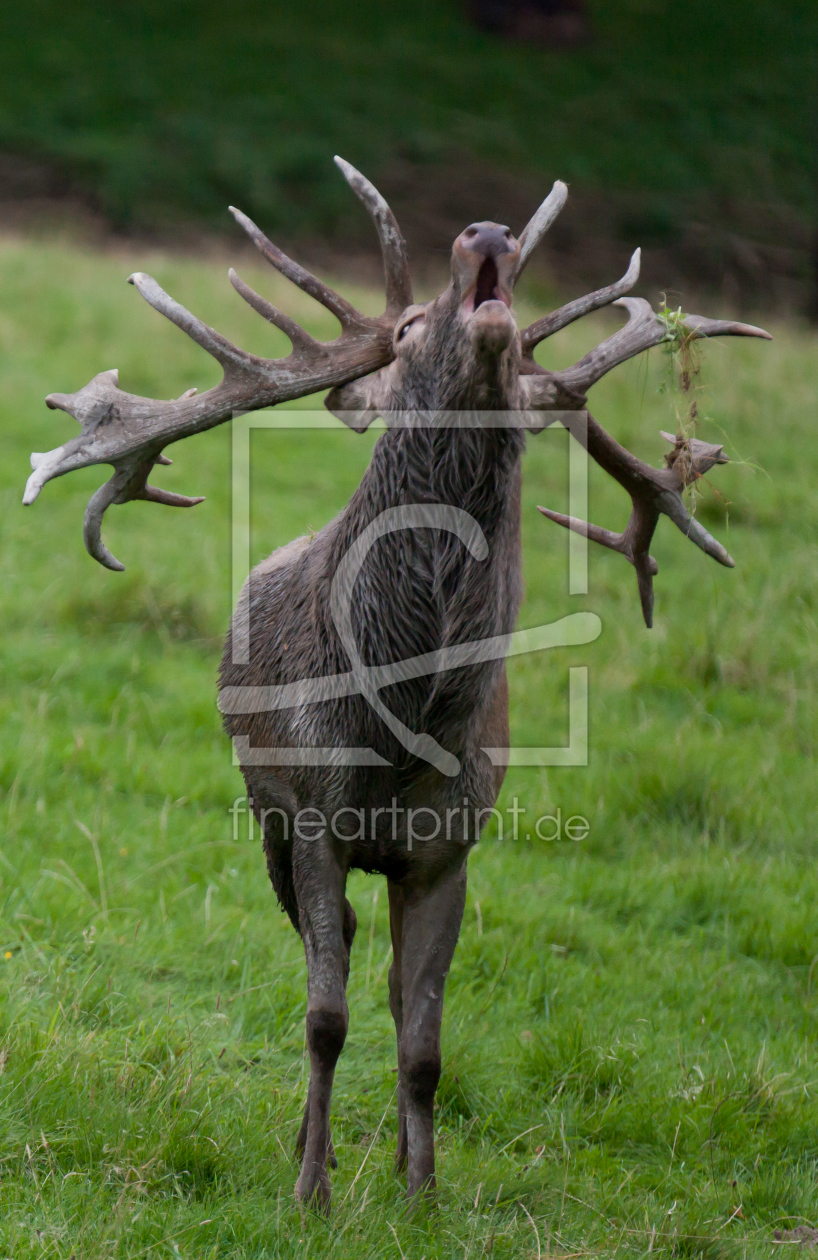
(431, 924)
(350, 928)
(327, 926)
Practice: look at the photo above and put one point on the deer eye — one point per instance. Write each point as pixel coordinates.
(410, 323)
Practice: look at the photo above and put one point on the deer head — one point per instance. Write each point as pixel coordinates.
(462, 351)
(459, 352)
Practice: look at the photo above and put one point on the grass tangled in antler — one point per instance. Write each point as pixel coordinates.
(684, 352)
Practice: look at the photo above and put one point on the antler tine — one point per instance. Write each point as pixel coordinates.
(539, 224)
(97, 506)
(228, 355)
(393, 247)
(343, 310)
(125, 485)
(549, 324)
(644, 564)
(300, 339)
(596, 533)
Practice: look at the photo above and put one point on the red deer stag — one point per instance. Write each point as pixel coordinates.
(429, 545)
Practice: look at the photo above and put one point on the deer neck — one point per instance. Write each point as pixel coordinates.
(421, 588)
(473, 469)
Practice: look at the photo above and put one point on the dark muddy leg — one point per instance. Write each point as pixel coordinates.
(396, 1006)
(431, 924)
(350, 926)
(327, 926)
(301, 1140)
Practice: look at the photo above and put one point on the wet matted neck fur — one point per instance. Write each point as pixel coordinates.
(422, 586)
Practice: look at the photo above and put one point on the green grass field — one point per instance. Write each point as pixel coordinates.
(630, 1030)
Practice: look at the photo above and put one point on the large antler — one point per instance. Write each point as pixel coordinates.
(654, 492)
(130, 432)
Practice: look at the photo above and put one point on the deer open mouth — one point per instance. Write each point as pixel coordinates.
(487, 288)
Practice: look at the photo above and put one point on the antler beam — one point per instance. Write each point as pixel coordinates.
(130, 432)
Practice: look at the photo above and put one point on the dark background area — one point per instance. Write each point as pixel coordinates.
(689, 130)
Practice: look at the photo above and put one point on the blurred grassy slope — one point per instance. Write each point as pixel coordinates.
(641, 1008)
(163, 106)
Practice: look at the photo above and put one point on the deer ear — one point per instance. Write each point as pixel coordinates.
(359, 402)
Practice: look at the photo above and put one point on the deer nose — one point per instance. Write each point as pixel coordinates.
(491, 240)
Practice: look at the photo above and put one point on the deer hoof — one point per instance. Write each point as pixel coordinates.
(313, 1190)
